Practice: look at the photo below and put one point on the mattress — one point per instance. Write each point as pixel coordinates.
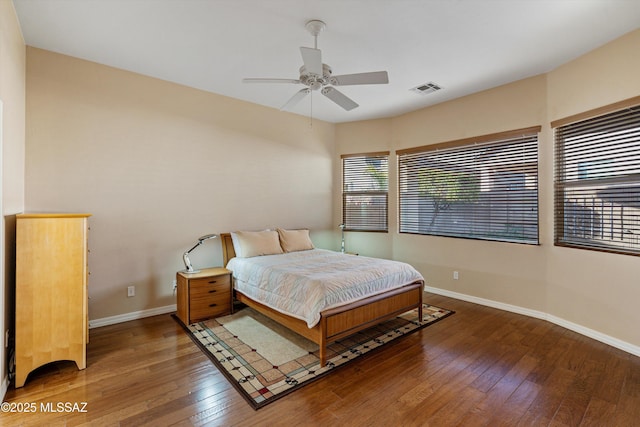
(303, 284)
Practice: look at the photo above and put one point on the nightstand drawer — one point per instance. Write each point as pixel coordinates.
(206, 284)
(210, 305)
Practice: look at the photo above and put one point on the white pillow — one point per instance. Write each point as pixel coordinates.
(295, 240)
(247, 244)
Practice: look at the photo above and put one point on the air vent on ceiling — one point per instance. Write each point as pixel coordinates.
(426, 88)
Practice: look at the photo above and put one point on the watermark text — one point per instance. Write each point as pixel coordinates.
(33, 407)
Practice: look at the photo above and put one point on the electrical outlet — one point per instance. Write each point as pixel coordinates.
(455, 275)
(174, 284)
(131, 291)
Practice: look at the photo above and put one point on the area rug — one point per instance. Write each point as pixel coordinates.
(266, 361)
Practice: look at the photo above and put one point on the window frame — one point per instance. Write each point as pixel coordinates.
(347, 217)
(463, 147)
(580, 182)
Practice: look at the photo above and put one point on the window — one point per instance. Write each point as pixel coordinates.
(480, 188)
(365, 188)
(597, 182)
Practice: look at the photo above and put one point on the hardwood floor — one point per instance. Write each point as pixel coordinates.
(479, 367)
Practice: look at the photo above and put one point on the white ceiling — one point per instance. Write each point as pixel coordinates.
(465, 46)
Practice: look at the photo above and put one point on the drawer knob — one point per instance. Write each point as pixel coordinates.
(212, 305)
(212, 291)
(213, 281)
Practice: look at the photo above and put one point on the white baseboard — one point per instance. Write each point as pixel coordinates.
(598, 336)
(96, 323)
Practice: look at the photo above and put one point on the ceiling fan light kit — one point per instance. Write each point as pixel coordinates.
(318, 76)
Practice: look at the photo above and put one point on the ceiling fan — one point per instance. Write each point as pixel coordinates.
(317, 76)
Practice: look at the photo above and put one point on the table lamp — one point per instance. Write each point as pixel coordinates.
(185, 256)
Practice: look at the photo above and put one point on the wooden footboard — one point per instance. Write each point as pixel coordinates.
(340, 322)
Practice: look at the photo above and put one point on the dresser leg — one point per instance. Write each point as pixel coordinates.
(21, 378)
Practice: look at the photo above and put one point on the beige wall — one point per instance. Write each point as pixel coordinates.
(594, 290)
(483, 269)
(12, 90)
(363, 137)
(12, 148)
(158, 165)
(581, 283)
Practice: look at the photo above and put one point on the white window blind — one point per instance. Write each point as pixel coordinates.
(597, 182)
(481, 188)
(365, 180)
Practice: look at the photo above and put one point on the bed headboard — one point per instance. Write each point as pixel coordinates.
(227, 248)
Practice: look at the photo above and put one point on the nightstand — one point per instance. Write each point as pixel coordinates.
(204, 295)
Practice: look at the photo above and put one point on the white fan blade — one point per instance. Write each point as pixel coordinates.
(259, 80)
(339, 98)
(312, 59)
(373, 78)
(296, 98)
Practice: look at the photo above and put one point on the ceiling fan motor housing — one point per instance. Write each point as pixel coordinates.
(315, 81)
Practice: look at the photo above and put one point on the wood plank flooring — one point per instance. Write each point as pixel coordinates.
(479, 367)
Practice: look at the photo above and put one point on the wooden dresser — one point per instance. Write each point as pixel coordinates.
(204, 295)
(51, 291)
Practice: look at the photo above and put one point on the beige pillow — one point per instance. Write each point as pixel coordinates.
(247, 244)
(295, 240)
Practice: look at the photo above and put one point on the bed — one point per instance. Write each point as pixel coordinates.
(337, 320)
